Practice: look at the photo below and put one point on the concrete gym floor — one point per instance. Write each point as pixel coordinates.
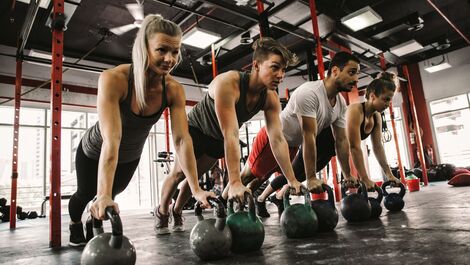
(433, 228)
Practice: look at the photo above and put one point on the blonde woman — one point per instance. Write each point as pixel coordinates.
(131, 99)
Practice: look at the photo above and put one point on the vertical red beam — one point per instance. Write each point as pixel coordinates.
(419, 143)
(260, 8)
(394, 127)
(16, 129)
(167, 128)
(214, 65)
(316, 33)
(56, 110)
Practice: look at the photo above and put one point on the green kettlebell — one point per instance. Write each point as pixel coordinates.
(247, 229)
(211, 239)
(298, 220)
(109, 248)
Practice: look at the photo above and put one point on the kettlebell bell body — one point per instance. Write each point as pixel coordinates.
(109, 248)
(326, 211)
(356, 207)
(394, 201)
(298, 220)
(247, 229)
(211, 239)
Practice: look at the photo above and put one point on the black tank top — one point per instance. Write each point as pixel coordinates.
(364, 135)
(134, 131)
(202, 116)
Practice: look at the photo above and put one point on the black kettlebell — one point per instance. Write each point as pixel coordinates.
(247, 229)
(393, 201)
(326, 211)
(211, 239)
(298, 220)
(355, 207)
(375, 203)
(109, 248)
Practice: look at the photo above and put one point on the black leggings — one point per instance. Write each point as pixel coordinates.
(325, 151)
(87, 181)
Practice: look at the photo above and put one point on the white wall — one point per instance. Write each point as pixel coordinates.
(449, 82)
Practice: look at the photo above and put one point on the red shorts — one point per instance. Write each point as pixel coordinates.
(261, 158)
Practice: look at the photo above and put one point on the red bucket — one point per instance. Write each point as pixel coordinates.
(413, 184)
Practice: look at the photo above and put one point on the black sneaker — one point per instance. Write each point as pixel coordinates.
(261, 210)
(77, 238)
(279, 204)
(161, 222)
(177, 220)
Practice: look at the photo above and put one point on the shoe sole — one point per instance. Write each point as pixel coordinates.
(162, 231)
(178, 229)
(77, 244)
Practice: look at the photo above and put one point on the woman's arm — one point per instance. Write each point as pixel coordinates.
(183, 142)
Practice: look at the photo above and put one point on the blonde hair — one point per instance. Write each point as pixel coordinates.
(151, 25)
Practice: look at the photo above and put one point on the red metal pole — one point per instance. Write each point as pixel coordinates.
(260, 8)
(316, 33)
(214, 65)
(16, 129)
(419, 143)
(56, 110)
(394, 127)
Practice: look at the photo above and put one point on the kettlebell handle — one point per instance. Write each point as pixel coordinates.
(214, 202)
(390, 183)
(378, 190)
(291, 190)
(116, 239)
(329, 191)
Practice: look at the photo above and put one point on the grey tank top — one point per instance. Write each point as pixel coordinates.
(135, 129)
(202, 116)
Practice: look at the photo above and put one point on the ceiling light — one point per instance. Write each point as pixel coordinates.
(439, 67)
(200, 38)
(43, 4)
(406, 48)
(362, 18)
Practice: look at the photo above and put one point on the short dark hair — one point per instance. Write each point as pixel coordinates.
(386, 81)
(340, 60)
(264, 46)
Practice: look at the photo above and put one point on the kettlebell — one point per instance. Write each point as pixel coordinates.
(393, 201)
(109, 248)
(375, 203)
(247, 229)
(211, 239)
(298, 220)
(355, 207)
(326, 211)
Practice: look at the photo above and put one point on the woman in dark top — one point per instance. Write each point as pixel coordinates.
(364, 119)
(131, 99)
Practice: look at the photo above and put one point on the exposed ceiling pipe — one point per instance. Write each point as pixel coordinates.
(173, 5)
(448, 21)
(248, 14)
